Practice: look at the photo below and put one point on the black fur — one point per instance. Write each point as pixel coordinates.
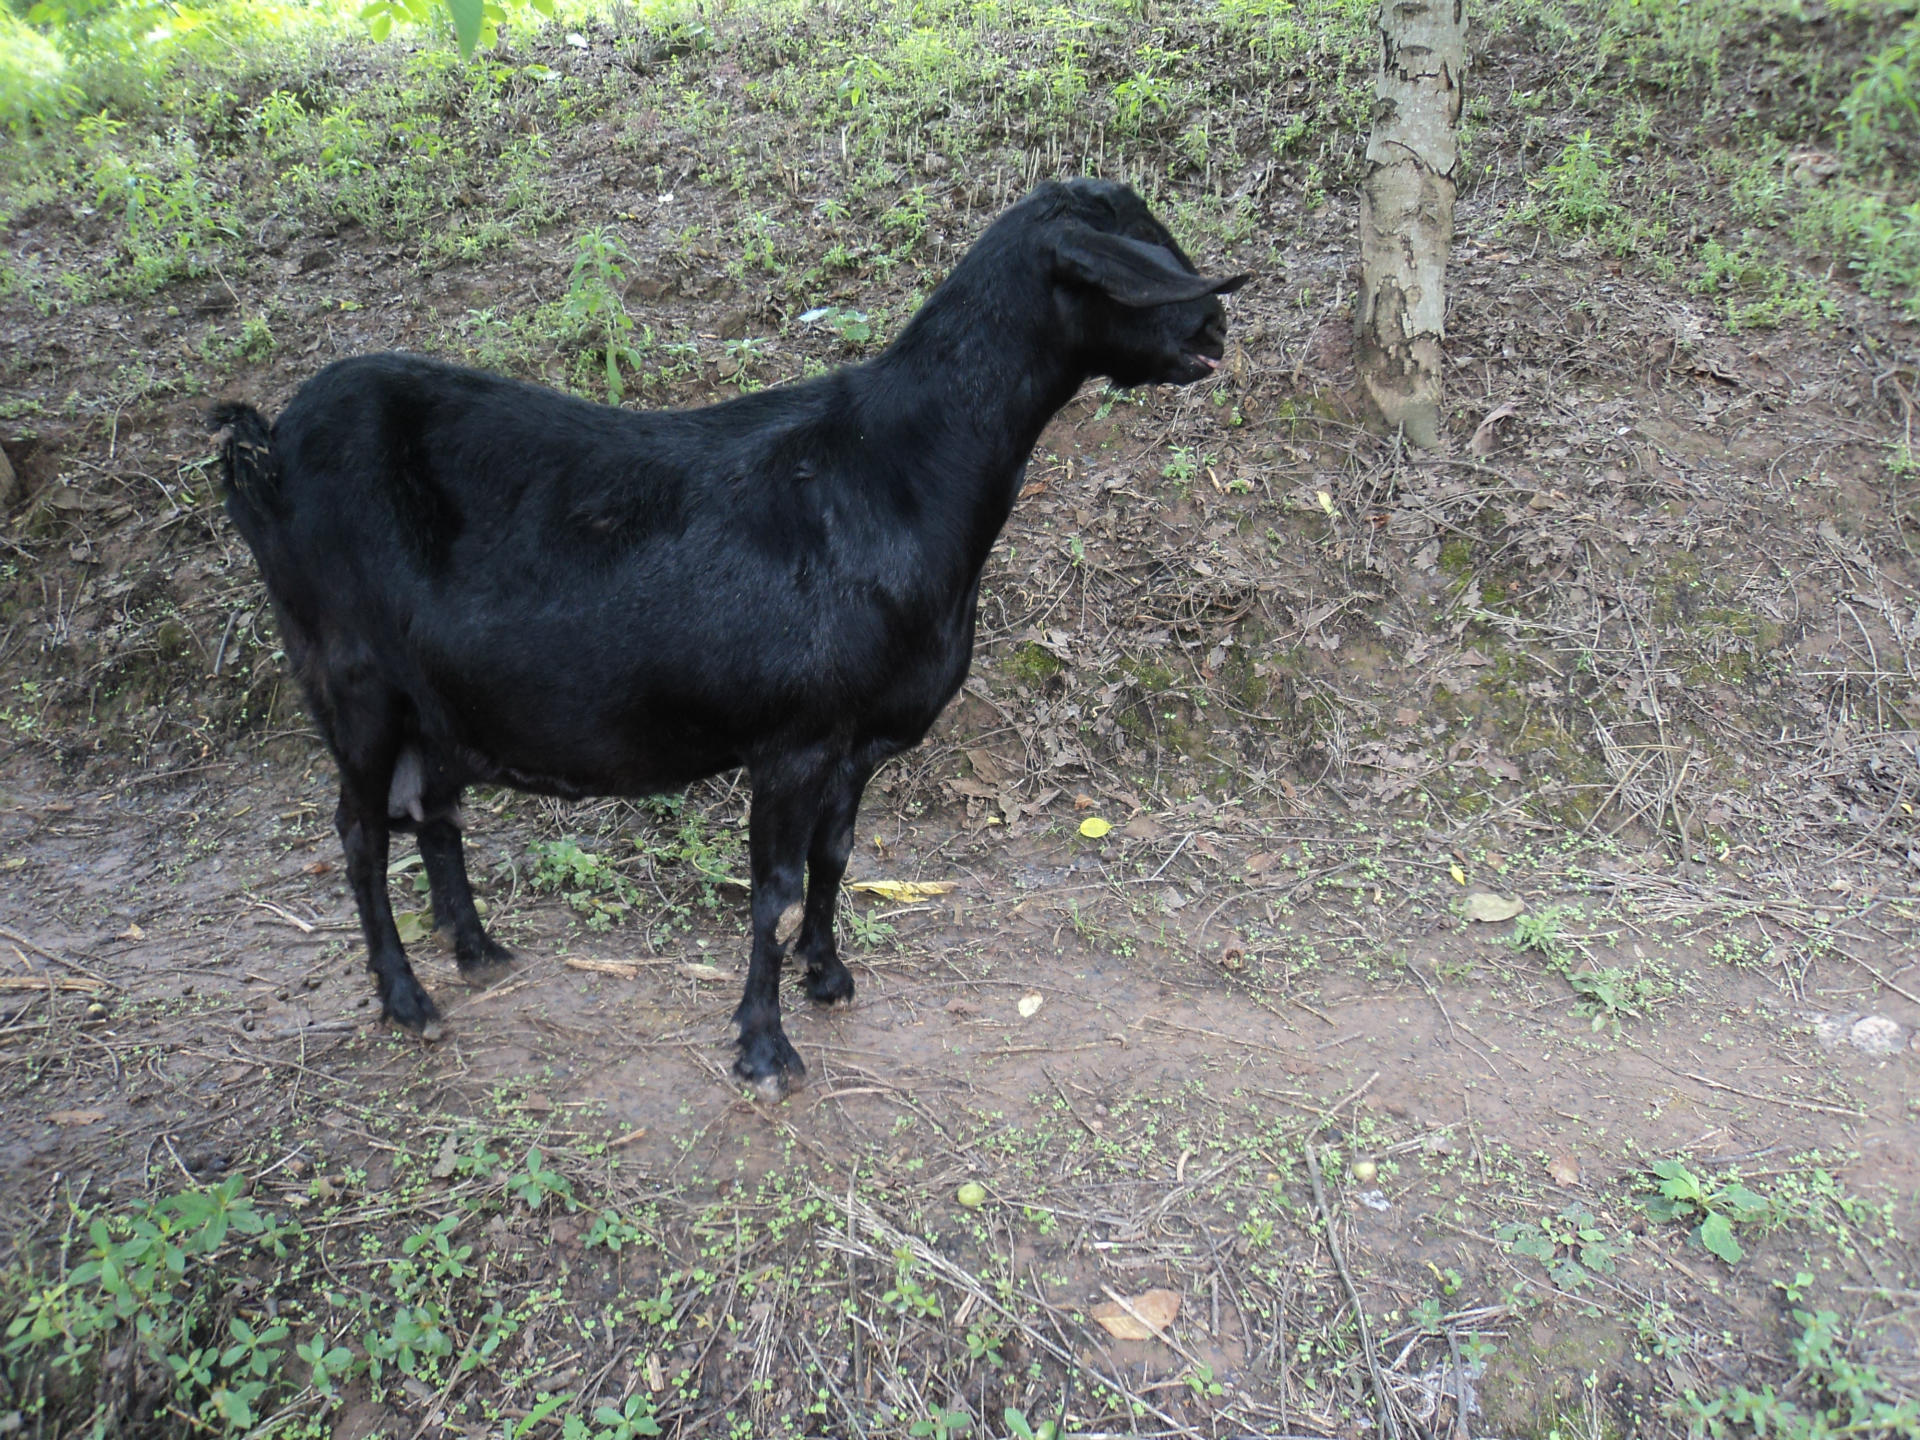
(480, 580)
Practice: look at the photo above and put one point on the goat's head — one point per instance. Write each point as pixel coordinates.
(1133, 306)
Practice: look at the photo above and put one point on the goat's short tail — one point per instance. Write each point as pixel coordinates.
(250, 473)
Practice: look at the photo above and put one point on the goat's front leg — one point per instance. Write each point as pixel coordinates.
(364, 835)
(786, 799)
(828, 981)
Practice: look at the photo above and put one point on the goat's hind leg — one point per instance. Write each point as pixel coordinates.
(425, 798)
(364, 835)
(444, 851)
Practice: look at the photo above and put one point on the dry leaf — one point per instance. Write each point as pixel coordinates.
(1142, 827)
(132, 932)
(1093, 827)
(1261, 863)
(1484, 436)
(702, 972)
(1155, 1311)
(77, 1117)
(905, 892)
(1564, 1169)
(1030, 1005)
(1492, 909)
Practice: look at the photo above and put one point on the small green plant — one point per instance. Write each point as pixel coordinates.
(23, 716)
(536, 1182)
(1713, 1208)
(1571, 1245)
(869, 930)
(1201, 1382)
(629, 1422)
(1182, 465)
(608, 336)
(434, 1248)
(585, 880)
(1020, 1428)
(940, 1424)
(1885, 98)
(1842, 1397)
(1606, 993)
(1544, 932)
(613, 1230)
(1578, 187)
(695, 848)
(149, 1283)
(852, 326)
(907, 1295)
(1759, 293)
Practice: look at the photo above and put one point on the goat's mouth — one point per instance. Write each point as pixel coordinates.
(1202, 360)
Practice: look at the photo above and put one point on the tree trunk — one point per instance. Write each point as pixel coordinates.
(1406, 213)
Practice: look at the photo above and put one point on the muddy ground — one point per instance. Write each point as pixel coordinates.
(1628, 677)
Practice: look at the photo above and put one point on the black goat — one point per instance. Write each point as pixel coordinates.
(483, 581)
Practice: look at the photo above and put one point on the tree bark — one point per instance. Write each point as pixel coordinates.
(1406, 214)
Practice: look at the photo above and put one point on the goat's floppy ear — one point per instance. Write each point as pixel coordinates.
(1130, 271)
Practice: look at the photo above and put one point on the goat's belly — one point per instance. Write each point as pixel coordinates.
(564, 771)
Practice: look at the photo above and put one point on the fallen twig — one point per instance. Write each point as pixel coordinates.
(1388, 1425)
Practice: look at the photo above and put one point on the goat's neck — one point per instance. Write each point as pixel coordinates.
(997, 388)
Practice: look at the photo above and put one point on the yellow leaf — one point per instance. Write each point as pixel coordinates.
(904, 892)
(1141, 1317)
(1459, 875)
(1326, 500)
(1030, 1005)
(413, 925)
(1093, 827)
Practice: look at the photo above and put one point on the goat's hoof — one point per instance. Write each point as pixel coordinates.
(770, 1066)
(486, 965)
(830, 987)
(414, 1010)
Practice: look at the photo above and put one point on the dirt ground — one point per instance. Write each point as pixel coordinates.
(1487, 831)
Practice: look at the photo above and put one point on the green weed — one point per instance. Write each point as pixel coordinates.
(1713, 1207)
(1842, 1396)
(1571, 1245)
(606, 335)
(586, 880)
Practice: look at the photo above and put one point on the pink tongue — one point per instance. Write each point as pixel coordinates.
(1208, 361)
